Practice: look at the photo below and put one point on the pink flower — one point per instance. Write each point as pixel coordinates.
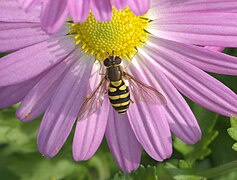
(50, 74)
(54, 13)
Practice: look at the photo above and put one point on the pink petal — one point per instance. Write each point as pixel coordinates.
(79, 10)
(62, 112)
(53, 15)
(11, 12)
(201, 6)
(102, 10)
(28, 4)
(149, 123)
(119, 4)
(214, 48)
(122, 142)
(89, 133)
(139, 7)
(31, 61)
(205, 29)
(151, 129)
(194, 83)
(11, 95)
(198, 56)
(179, 115)
(38, 99)
(187, 6)
(16, 36)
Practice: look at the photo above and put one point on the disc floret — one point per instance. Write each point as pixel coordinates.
(118, 37)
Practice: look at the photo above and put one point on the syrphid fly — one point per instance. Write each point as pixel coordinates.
(114, 84)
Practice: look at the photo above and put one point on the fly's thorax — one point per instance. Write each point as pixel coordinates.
(114, 73)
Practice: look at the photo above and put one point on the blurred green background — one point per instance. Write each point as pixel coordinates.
(211, 158)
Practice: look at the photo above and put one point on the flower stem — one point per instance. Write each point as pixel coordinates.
(219, 170)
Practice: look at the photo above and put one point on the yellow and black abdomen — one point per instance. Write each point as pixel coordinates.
(119, 96)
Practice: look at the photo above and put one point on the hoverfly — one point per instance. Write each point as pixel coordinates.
(114, 84)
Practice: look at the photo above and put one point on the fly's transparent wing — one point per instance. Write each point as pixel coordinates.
(143, 92)
(94, 101)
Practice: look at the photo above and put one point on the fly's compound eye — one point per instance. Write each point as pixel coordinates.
(117, 60)
(107, 62)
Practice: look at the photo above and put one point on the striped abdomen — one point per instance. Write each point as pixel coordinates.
(119, 96)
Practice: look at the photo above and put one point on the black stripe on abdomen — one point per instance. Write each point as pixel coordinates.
(119, 96)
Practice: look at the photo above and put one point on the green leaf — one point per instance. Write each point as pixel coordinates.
(233, 131)
(188, 177)
(173, 169)
(184, 165)
(148, 173)
(122, 176)
(233, 122)
(176, 169)
(234, 147)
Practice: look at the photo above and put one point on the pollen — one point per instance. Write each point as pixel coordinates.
(119, 37)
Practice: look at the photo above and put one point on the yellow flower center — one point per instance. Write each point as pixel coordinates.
(118, 37)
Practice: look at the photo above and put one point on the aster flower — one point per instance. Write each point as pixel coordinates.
(54, 13)
(53, 74)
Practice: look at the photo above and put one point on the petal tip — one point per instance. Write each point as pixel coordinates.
(129, 169)
(49, 153)
(78, 156)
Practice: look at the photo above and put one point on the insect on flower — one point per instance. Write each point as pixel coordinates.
(52, 74)
(118, 90)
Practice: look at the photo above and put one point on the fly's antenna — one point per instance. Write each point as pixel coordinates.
(128, 62)
(113, 55)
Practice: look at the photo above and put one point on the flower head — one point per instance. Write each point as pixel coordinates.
(54, 13)
(118, 37)
(54, 74)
